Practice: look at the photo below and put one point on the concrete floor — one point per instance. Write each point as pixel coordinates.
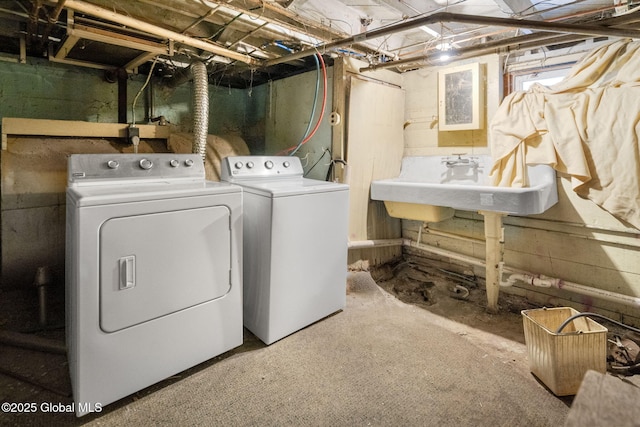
(435, 361)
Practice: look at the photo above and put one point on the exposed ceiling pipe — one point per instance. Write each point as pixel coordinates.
(525, 42)
(281, 13)
(278, 29)
(590, 30)
(56, 13)
(53, 19)
(249, 34)
(504, 30)
(556, 27)
(109, 15)
(284, 19)
(32, 25)
(211, 12)
(520, 43)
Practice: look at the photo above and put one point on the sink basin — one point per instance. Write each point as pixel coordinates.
(462, 182)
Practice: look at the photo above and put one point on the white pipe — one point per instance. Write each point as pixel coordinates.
(362, 244)
(445, 253)
(564, 285)
(97, 11)
(428, 230)
(546, 281)
(541, 280)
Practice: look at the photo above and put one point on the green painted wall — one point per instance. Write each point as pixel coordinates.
(288, 116)
(44, 90)
(33, 171)
(41, 89)
(268, 117)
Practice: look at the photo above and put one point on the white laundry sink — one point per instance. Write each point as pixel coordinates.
(461, 182)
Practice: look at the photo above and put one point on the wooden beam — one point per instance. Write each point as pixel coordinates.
(70, 128)
(76, 33)
(133, 65)
(66, 47)
(109, 37)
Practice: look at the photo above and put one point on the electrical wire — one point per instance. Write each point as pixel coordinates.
(295, 148)
(281, 45)
(330, 170)
(575, 316)
(315, 101)
(324, 151)
(315, 98)
(624, 370)
(135, 99)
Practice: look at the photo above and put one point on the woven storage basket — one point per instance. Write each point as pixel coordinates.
(561, 360)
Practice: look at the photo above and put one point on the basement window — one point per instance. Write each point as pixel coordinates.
(545, 78)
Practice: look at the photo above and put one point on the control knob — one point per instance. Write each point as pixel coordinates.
(146, 164)
(174, 163)
(268, 164)
(113, 164)
(188, 162)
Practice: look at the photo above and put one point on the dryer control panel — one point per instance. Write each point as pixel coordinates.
(102, 168)
(255, 167)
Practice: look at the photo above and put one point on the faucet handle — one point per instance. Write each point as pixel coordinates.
(459, 154)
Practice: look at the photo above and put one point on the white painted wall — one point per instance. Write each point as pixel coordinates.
(371, 135)
(421, 134)
(575, 240)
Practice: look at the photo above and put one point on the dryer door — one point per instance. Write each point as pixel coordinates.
(156, 264)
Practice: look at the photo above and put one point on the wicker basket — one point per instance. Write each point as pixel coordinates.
(561, 360)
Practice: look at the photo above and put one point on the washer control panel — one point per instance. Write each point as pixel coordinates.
(256, 167)
(161, 166)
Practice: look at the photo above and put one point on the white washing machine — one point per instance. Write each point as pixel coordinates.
(295, 244)
(154, 271)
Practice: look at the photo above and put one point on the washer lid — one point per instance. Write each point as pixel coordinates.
(290, 187)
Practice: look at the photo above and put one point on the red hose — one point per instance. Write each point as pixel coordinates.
(324, 103)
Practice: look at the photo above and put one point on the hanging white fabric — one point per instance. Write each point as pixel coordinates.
(586, 126)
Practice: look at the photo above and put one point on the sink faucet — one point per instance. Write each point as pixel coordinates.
(460, 161)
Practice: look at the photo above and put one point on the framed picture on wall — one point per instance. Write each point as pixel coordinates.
(461, 98)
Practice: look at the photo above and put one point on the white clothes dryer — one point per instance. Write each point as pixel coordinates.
(153, 271)
(295, 244)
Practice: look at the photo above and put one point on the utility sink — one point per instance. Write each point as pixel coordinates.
(461, 182)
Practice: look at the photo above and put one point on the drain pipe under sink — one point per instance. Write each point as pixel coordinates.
(515, 274)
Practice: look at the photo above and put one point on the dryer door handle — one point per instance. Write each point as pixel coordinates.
(127, 272)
